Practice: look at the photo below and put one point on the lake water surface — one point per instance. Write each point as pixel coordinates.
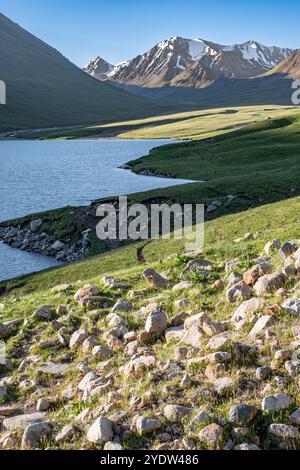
(41, 175)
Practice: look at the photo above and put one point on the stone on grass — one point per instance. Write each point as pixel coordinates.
(238, 292)
(35, 434)
(284, 431)
(262, 373)
(212, 435)
(192, 337)
(101, 352)
(220, 341)
(272, 246)
(278, 401)
(156, 323)
(79, 337)
(176, 333)
(223, 385)
(212, 328)
(66, 434)
(86, 292)
(89, 343)
(176, 413)
(43, 404)
(246, 446)
(101, 431)
(269, 283)
(112, 446)
(122, 306)
(57, 370)
(261, 325)
(21, 422)
(295, 417)
(247, 309)
(43, 313)
(195, 321)
(242, 415)
(146, 425)
(184, 285)
(292, 306)
(253, 274)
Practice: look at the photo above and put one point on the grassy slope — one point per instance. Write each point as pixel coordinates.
(186, 125)
(278, 220)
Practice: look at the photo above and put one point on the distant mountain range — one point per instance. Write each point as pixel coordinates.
(191, 63)
(44, 89)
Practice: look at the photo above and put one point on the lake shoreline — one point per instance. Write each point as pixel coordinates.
(23, 233)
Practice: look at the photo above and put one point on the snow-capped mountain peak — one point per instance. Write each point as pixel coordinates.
(172, 59)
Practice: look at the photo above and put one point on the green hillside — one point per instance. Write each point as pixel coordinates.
(44, 89)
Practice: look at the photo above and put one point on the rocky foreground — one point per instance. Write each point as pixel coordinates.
(140, 365)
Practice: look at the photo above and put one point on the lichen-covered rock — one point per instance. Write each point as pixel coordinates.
(278, 401)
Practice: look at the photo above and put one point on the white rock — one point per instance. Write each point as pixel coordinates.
(264, 322)
(101, 431)
(146, 425)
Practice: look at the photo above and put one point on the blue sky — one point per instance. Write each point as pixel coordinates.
(119, 30)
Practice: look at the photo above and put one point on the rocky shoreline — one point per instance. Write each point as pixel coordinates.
(29, 239)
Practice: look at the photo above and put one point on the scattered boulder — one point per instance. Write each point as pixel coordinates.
(261, 325)
(35, 433)
(272, 246)
(212, 435)
(35, 224)
(253, 274)
(176, 413)
(269, 283)
(101, 431)
(146, 425)
(156, 323)
(242, 415)
(278, 401)
(122, 306)
(184, 285)
(247, 309)
(284, 431)
(43, 313)
(79, 337)
(200, 266)
(238, 292)
(20, 422)
(57, 370)
(86, 292)
(66, 434)
(292, 306)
